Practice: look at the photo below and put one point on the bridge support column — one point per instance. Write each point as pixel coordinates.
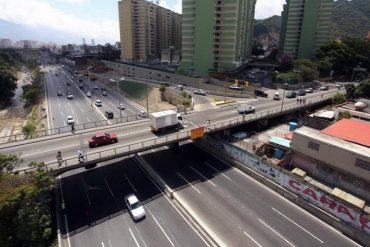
(226, 134)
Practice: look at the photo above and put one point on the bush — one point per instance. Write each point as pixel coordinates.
(345, 114)
(338, 98)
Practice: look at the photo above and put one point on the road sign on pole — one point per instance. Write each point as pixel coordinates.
(197, 133)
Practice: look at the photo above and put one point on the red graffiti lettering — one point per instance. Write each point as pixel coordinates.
(365, 221)
(311, 193)
(344, 210)
(325, 200)
(294, 185)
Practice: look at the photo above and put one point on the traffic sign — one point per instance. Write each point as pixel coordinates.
(197, 133)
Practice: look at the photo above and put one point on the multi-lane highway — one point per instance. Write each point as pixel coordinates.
(236, 209)
(95, 213)
(129, 133)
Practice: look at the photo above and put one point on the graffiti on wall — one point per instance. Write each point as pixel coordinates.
(355, 217)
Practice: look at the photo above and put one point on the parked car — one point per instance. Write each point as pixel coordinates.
(101, 138)
(98, 103)
(121, 106)
(59, 93)
(200, 92)
(260, 93)
(70, 120)
(324, 88)
(70, 96)
(309, 90)
(134, 207)
(244, 109)
(291, 94)
(142, 113)
(104, 93)
(301, 93)
(109, 114)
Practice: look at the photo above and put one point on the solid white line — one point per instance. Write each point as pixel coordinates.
(88, 119)
(137, 244)
(188, 183)
(246, 234)
(202, 176)
(102, 244)
(66, 222)
(298, 225)
(217, 171)
(108, 187)
(274, 231)
(129, 181)
(169, 240)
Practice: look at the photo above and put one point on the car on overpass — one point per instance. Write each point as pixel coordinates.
(70, 120)
(245, 109)
(200, 92)
(291, 94)
(109, 114)
(101, 138)
(121, 106)
(70, 96)
(309, 90)
(134, 207)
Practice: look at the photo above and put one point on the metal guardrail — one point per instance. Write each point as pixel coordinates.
(67, 129)
(121, 151)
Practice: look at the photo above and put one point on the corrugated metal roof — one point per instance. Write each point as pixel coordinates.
(352, 130)
(280, 141)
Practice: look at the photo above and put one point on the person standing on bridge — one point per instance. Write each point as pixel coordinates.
(80, 155)
(73, 128)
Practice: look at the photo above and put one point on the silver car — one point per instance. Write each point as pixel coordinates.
(134, 207)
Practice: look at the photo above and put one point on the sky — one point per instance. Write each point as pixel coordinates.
(68, 21)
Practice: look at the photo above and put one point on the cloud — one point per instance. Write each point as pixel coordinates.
(178, 6)
(38, 14)
(266, 9)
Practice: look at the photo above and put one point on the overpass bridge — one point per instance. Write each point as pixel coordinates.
(137, 137)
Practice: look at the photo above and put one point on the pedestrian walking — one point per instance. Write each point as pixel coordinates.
(297, 101)
(73, 128)
(80, 155)
(304, 101)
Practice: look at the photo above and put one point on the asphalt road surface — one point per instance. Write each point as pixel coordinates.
(236, 209)
(95, 213)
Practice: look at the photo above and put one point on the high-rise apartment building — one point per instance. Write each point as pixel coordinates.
(305, 27)
(145, 29)
(5, 43)
(216, 34)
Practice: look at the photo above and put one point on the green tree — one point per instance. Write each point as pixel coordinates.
(344, 114)
(292, 77)
(7, 162)
(8, 84)
(162, 89)
(307, 74)
(324, 67)
(29, 129)
(186, 104)
(338, 98)
(350, 91)
(363, 89)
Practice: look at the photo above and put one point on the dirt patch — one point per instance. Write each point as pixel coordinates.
(155, 101)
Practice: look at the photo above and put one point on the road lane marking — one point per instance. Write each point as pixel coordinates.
(108, 187)
(298, 225)
(168, 238)
(217, 171)
(202, 176)
(246, 234)
(188, 182)
(66, 222)
(88, 119)
(274, 231)
(102, 244)
(129, 181)
(133, 236)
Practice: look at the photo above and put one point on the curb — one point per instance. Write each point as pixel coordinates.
(178, 202)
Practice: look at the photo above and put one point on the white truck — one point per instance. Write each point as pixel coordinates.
(163, 120)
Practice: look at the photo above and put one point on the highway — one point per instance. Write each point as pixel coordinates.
(236, 209)
(127, 134)
(95, 213)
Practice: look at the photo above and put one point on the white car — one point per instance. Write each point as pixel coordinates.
(142, 113)
(88, 94)
(98, 103)
(309, 90)
(236, 87)
(70, 96)
(134, 207)
(244, 109)
(70, 120)
(121, 106)
(200, 92)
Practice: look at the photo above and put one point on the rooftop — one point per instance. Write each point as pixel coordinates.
(351, 130)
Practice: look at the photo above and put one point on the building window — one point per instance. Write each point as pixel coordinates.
(314, 146)
(363, 164)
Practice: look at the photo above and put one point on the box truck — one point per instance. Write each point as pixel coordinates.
(163, 120)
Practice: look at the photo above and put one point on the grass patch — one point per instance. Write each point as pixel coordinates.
(134, 90)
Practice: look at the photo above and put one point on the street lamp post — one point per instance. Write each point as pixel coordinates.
(147, 94)
(282, 101)
(119, 96)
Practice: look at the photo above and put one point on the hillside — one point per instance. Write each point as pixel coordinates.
(348, 18)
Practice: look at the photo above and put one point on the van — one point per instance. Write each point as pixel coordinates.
(239, 136)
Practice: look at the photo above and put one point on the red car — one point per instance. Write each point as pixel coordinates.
(101, 138)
